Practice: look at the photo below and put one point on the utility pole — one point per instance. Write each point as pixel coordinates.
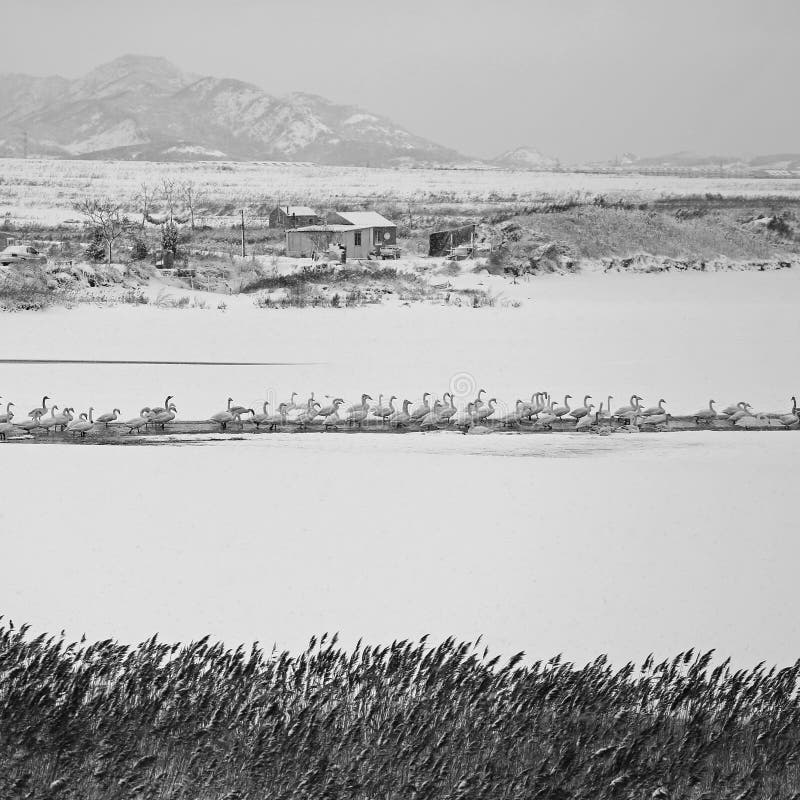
(242, 233)
(25, 144)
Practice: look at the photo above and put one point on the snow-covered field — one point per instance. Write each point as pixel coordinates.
(624, 544)
(44, 191)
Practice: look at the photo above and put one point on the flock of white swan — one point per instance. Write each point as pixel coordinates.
(476, 416)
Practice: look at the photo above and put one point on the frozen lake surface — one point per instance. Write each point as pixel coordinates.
(570, 544)
(624, 544)
(685, 337)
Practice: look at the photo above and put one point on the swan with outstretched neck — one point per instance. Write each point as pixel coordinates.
(401, 418)
(42, 409)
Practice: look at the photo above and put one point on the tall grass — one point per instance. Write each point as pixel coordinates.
(410, 720)
(602, 232)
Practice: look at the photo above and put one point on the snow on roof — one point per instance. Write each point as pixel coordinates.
(365, 219)
(321, 228)
(299, 211)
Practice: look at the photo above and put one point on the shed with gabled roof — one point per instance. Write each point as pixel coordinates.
(381, 231)
(293, 217)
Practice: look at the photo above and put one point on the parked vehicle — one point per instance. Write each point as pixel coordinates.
(388, 251)
(17, 253)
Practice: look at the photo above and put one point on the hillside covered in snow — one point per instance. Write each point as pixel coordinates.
(145, 108)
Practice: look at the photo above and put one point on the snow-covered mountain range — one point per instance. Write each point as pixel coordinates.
(141, 107)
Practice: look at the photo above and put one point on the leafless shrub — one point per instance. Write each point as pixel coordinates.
(24, 288)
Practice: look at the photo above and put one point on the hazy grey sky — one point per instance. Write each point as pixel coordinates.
(582, 79)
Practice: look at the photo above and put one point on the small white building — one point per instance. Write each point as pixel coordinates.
(360, 233)
(381, 230)
(314, 239)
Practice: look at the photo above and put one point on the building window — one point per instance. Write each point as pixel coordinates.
(357, 238)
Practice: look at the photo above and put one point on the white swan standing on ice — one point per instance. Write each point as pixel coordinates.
(584, 410)
(278, 418)
(289, 405)
(359, 406)
(64, 418)
(655, 411)
(706, 414)
(547, 417)
(481, 413)
(332, 418)
(510, 417)
(563, 411)
(356, 415)
(163, 417)
(624, 411)
(401, 418)
(259, 419)
(9, 415)
(745, 410)
(137, 423)
(420, 411)
(732, 409)
(307, 416)
(159, 409)
(110, 417)
(587, 420)
(223, 418)
(791, 418)
(7, 426)
(42, 410)
(83, 425)
(385, 410)
(431, 419)
(331, 407)
(448, 409)
(463, 418)
(49, 423)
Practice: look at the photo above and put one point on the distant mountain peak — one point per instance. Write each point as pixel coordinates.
(132, 73)
(145, 107)
(526, 157)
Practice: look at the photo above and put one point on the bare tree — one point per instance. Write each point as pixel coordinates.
(105, 216)
(191, 193)
(145, 198)
(169, 192)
